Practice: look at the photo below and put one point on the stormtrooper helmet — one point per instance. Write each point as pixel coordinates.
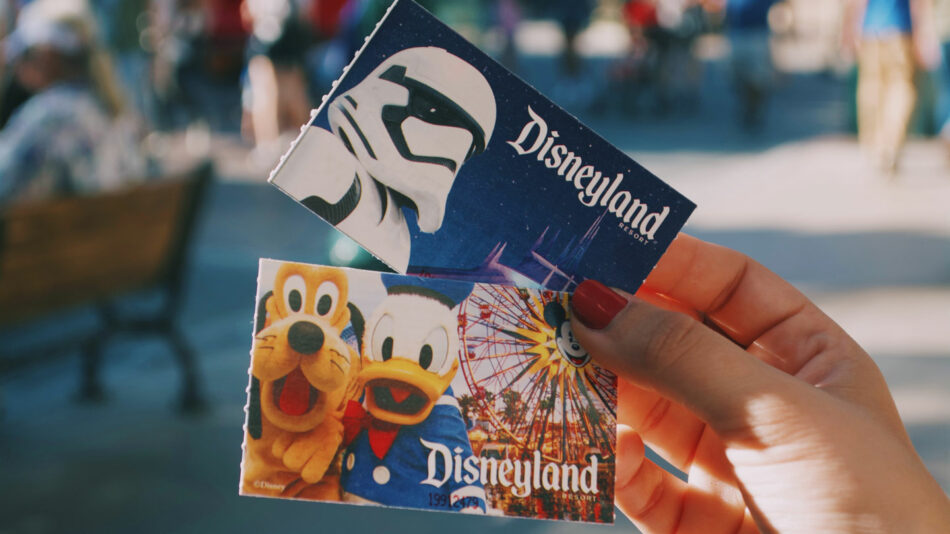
(413, 122)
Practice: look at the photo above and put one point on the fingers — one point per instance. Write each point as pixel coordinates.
(671, 430)
(713, 502)
(759, 310)
(668, 427)
(650, 295)
(645, 493)
(748, 525)
(738, 294)
(673, 354)
(658, 502)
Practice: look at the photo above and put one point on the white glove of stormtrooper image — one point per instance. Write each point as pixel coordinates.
(398, 139)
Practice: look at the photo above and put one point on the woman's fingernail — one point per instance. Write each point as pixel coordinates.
(595, 304)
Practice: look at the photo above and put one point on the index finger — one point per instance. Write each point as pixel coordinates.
(739, 295)
(776, 323)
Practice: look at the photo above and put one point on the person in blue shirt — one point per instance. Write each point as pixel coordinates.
(942, 18)
(886, 91)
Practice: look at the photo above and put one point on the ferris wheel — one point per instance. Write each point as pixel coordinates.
(533, 383)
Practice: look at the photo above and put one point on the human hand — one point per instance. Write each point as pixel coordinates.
(781, 421)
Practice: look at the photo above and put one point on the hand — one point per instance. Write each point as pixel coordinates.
(782, 422)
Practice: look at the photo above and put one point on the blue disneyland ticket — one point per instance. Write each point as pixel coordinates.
(439, 161)
(426, 393)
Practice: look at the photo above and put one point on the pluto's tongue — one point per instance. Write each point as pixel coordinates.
(399, 393)
(295, 395)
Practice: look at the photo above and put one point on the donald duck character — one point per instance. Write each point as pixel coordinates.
(410, 356)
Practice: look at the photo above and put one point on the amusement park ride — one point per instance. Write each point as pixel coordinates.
(533, 396)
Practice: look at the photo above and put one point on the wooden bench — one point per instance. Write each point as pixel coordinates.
(87, 251)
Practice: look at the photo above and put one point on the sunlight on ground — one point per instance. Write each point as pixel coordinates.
(822, 185)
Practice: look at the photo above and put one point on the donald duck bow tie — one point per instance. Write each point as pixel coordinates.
(381, 434)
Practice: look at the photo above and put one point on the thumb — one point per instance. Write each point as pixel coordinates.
(673, 354)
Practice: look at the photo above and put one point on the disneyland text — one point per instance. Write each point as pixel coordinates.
(520, 475)
(592, 185)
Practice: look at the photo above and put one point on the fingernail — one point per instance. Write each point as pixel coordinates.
(595, 304)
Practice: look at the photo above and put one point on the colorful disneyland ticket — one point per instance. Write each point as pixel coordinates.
(417, 392)
(439, 161)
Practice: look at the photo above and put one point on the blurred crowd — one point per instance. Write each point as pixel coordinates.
(83, 82)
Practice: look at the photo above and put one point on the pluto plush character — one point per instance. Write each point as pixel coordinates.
(572, 351)
(399, 138)
(410, 356)
(302, 375)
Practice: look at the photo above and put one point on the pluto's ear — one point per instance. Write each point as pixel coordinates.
(254, 426)
(554, 314)
(262, 312)
(359, 324)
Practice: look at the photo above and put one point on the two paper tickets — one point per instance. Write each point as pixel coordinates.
(459, 386)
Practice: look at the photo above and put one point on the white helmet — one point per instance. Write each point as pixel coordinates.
(413, 122)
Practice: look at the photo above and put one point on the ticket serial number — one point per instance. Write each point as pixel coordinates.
(441, 500)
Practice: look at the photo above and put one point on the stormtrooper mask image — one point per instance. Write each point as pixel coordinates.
(413, 122)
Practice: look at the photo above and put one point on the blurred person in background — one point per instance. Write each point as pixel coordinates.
(67, 137)
(573, 16)
(942, 21)
(12, 94)
(223, 61)
(276, 97)
(325, 58)
(7, 17)
(325, 17)
(339, 34)
(887, 65)
(747, 27)
(174, 34)
(679, 23)
(340, 27)
(634, 73)
(120, 24)
(506, 15)
(198, 57)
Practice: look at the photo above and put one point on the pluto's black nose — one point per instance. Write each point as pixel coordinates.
(305, 337)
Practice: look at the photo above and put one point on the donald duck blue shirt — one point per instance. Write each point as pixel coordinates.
(395, 478)
(410, 356)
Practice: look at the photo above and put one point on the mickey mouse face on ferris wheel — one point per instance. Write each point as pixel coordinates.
(414, 121)
(570, 349)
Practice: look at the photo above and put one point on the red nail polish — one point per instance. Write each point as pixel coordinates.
(596, 304)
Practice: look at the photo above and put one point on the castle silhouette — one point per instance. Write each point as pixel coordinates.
(549, 263)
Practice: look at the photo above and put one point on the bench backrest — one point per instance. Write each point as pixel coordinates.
(65, 252)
